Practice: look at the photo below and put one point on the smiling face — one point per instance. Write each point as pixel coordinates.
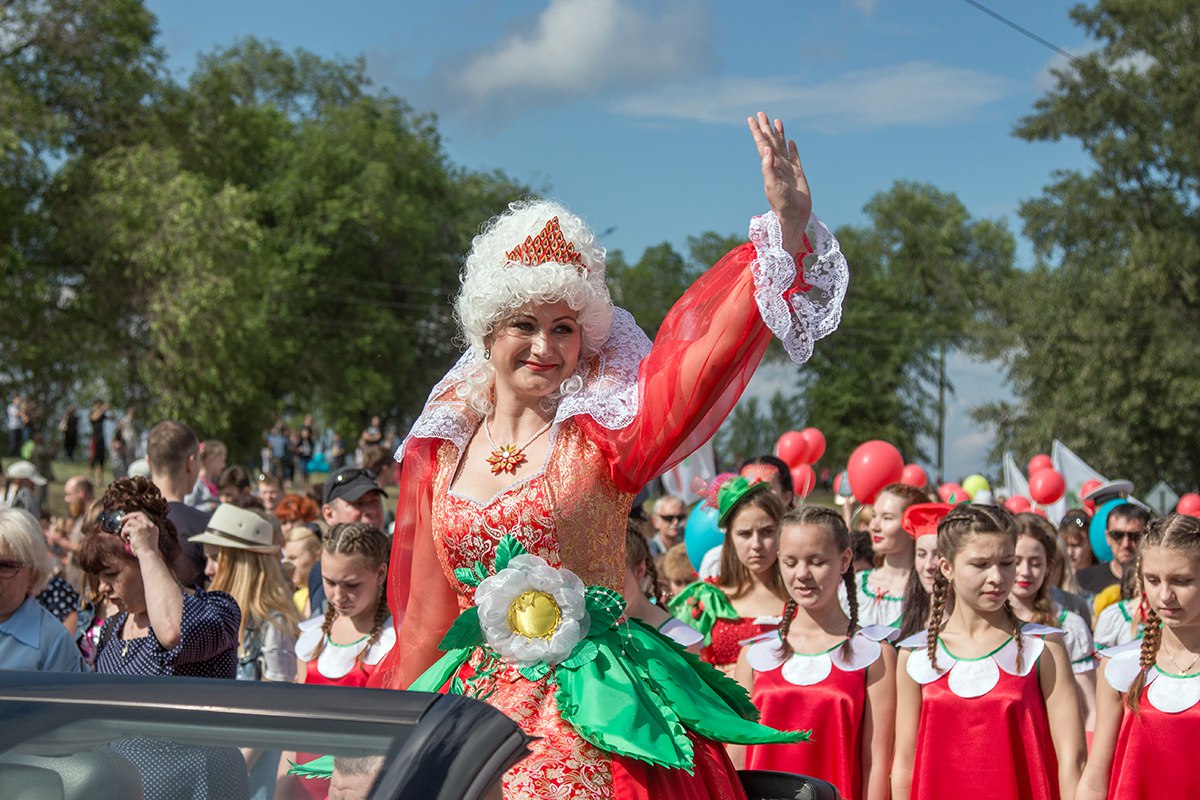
(1171, 579)
(887, 537)
(983, 571)
(811, 564)
(755, 537)
(535, 349)
(1032, 564)
(926, 564)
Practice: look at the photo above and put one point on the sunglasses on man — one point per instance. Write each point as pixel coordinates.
(1120, 536)
(673, 519)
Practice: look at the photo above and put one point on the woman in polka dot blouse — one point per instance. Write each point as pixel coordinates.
(161, 629)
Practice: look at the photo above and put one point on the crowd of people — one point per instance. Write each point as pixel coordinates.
(908, 648)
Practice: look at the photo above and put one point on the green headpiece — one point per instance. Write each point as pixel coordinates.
(732, 493)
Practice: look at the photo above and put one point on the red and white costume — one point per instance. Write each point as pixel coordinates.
(641, 410)
(984, 731)
(1156, 748)
(827, 690)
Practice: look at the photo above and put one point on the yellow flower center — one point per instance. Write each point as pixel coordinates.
(534, 615)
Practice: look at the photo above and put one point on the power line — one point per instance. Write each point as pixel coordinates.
(1022, 30)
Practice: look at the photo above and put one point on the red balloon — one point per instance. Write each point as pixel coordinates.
(913, 475)
(803, 479)
(1189, 504)
(1017, 504)
(953, 493)
(1040, 462)
(872, 466)
(1088, 487)
(792, 448)
(816, 444)
(1046, 486)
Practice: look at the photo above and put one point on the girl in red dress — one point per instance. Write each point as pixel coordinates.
(821, 667)
(344, 647)
(1145, 743)
(746, 598)
(981, 685)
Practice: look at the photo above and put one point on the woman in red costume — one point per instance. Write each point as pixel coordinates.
(996, 693)
(520, 471)
(1148, 700)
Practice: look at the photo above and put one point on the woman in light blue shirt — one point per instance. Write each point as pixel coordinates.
(31, 637)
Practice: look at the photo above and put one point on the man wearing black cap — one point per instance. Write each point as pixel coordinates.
(351, 495)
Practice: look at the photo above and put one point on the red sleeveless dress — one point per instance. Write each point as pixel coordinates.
(830, 690)
(984, 732)
(1156, 748)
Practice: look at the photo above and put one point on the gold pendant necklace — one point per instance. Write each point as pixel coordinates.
(506, 458)
(1178, 669)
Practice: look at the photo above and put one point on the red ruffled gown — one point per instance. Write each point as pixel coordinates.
(984, 731)
(572, 514)
(1156, 748)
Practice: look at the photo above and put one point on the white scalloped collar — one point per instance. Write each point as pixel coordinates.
(976, 677)
(1171, 694)
(807, 669)
(336, 660)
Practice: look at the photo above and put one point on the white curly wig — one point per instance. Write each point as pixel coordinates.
(493, 287)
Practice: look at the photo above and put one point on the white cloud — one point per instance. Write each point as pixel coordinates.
(917, 93)
(580, 48)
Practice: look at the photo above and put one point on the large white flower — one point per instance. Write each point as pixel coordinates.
(531, 612)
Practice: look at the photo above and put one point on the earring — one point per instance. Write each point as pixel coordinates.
(487, 353)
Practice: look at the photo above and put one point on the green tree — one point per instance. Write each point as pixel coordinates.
(919, 272)
(1097, 336)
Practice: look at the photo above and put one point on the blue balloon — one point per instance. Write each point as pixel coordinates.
(1097, 532)
(702, 533)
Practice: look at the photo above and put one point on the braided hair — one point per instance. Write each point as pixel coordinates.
(963, 521)
(1174, 532)
(833, 525)
(374, 547)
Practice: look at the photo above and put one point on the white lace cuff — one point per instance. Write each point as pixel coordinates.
(800, 318)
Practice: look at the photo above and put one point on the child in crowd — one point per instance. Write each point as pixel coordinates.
(676, 570)
(343, 647)
(920, 521)
(881, 589)
(747, 597)
(986, 707)
(644, 596)
(1148, 698)
(820, 669)
(1032, 602)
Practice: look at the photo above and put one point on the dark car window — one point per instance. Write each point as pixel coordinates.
(90, 737)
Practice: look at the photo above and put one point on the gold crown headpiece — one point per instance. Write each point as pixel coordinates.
(548, 246)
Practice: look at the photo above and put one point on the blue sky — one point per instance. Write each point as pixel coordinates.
(633, 113)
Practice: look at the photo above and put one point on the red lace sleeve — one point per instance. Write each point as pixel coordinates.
(704, 355)
(421, 618)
